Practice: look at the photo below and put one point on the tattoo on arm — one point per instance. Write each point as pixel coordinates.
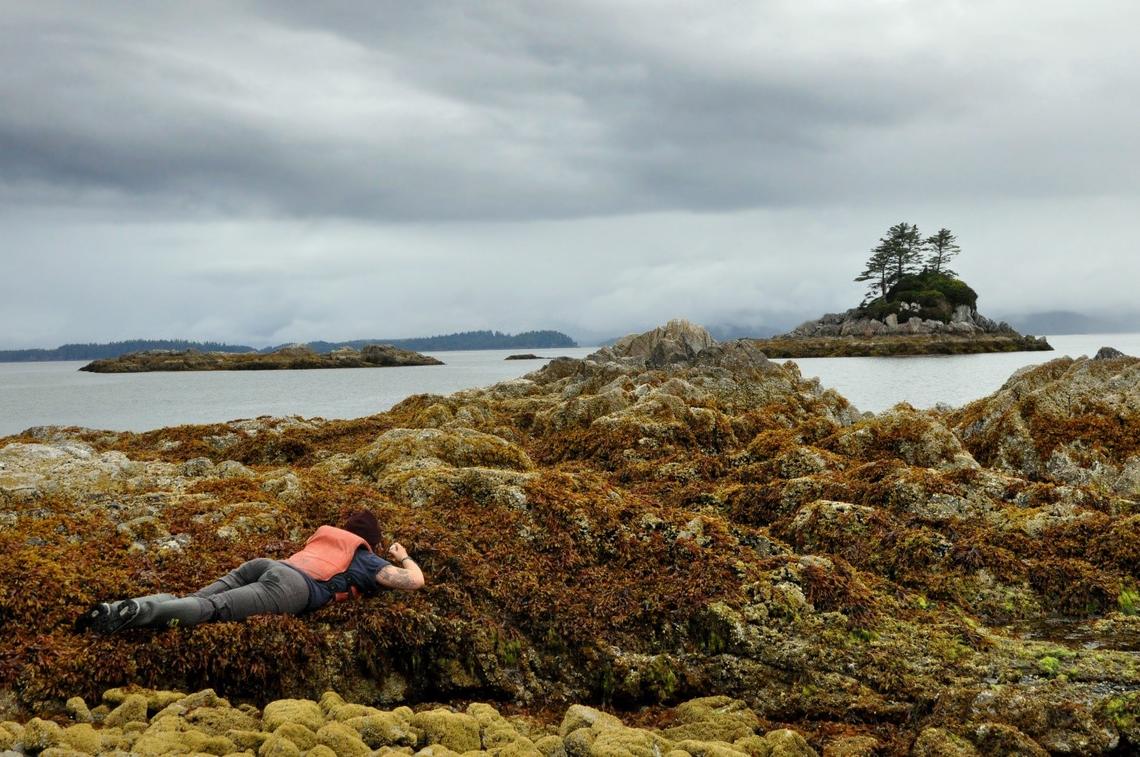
(399, 578)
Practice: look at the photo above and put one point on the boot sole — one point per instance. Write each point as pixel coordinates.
(100, 619)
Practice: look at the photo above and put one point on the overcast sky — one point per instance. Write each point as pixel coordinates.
(262, 172)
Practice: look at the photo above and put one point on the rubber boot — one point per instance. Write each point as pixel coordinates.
(109, 617)
(168, 611)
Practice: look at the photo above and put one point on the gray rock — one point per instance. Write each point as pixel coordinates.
(1108, 353)
(386, 354)
(296, 349)
(199, 466)
(233, 469)
(962, 328)
(677, 342)
(962, 314)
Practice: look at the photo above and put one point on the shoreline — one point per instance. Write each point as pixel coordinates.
(897, 345)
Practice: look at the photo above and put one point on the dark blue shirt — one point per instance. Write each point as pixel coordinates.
(361, 573)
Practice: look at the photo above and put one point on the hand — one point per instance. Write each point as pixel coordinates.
(397, 551)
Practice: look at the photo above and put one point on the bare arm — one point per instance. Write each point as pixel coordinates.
(407, 577)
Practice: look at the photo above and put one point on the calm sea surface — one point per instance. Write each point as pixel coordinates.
(38, 394)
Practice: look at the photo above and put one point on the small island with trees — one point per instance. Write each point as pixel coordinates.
(915, 305)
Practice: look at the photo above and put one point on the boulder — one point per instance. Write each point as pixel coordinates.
(384, 729)
(580, 716)
(132, 710)
(1108, 353)
(342, 740)
(963, 314)
(189, 741)
(998, 738)
(278, 746)
(303, 712)
(454, 730)
(717, 718)
(77, 709)
(939, 742)
(677, 342)
(66, 468)
(39, 735)
(1044, 714)
(787, 743)
(82, 737)
(623, 741)
(218, 721)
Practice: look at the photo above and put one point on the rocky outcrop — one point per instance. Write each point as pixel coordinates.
(854, 334)
(1067, 421)
(678, 528)
(287, 358)
(677, 342)
(1108, 353)
(965, 321)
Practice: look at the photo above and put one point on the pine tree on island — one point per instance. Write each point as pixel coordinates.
(941, 248)
(908, 276)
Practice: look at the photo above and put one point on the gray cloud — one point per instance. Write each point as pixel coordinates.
(265, 171)
(396, 111)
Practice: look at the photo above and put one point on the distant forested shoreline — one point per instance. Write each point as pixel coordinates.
(114, 349)
(465, 340)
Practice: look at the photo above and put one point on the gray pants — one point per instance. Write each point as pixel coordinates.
(257, 587)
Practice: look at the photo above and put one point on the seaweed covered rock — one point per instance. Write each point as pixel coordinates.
(1071, 421)
(902, 433)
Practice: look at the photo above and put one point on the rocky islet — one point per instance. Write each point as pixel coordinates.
(668, 519)
(855, 333)
(295, 357)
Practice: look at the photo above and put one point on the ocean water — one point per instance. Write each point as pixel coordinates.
(39, 394)
(876, 384)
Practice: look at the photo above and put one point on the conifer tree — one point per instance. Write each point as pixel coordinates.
(897, 254)
(941, 248)
(877, 271)
(903, 247)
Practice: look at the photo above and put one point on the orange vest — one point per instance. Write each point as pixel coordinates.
(328, 552)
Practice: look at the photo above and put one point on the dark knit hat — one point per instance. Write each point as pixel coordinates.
(364, 525)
